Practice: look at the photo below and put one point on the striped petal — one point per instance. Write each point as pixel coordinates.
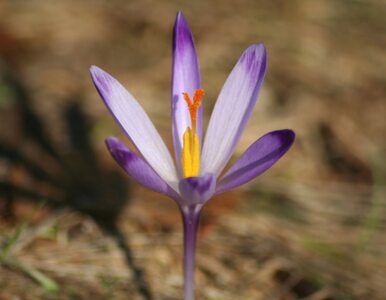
(197, 190)
(233, 109)
(137, 168)
(135, 122)
(258, 158)
(185, 79)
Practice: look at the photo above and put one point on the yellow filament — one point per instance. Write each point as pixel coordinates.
(190, 154)
(190, 160)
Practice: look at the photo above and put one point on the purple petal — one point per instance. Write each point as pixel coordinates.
(197, 190)
(233, 109)
(137, 168)
(259, 157)
(135, 122)
(185, 78)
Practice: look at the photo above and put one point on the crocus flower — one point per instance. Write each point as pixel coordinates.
(196, 172)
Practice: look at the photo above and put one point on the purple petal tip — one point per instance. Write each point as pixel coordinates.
(119, 150)
(255, 59)
(182, 33)
(95, 71)
(287, 136)
(180, 18)
(101, 80)
(112, 142)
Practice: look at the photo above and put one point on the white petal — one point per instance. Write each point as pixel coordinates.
(233, 109)
(136, 123)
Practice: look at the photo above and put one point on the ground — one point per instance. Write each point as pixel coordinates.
(73, 226)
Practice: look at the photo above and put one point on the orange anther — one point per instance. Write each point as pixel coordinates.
(194, 105)
(187, 99)
(198, 94)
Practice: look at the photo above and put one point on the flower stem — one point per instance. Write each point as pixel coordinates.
(190, 217)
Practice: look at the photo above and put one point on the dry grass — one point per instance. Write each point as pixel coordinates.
(310, 229)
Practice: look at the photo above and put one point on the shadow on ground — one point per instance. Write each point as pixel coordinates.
(78, 181)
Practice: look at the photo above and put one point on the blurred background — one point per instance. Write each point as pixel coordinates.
(74, 226)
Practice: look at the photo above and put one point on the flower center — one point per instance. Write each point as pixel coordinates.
(190, 159)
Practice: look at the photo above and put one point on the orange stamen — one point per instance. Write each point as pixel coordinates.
(194, 105)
